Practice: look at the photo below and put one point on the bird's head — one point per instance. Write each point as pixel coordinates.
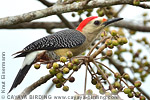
(94, 24)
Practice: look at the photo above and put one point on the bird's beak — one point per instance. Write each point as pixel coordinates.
(111, 21)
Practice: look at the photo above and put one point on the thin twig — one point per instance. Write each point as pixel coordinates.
(97, 52)
(124, 82)
(91, 50)
(49, 4)
(68, 77)
(93, 71)
(120, 68)
(103, 74)
(90, 72)
(105, 66)
(95, 75)
(66, 22)
(118, 12)
(85, 82)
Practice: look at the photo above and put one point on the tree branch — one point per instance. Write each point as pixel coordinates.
(63, 19)
(36, 25)
(39, 82)
(52, 25)
(145, 6)
(66, 22)
(97, 52)
(118, 12)
(132, 26)
(57, 9)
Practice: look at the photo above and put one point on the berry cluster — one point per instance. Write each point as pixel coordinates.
(67, 64)
(63, 69)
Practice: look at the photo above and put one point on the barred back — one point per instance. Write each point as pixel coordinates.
(61, 39)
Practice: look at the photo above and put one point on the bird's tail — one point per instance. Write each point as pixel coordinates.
(20, 76)
(27, 63)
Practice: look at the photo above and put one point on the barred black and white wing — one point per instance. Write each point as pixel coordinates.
(62, 39)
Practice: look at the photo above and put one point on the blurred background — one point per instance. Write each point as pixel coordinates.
(13, 40)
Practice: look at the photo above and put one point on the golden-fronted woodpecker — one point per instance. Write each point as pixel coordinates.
(57, 44)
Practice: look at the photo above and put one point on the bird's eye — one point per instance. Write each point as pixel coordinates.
(97, 22)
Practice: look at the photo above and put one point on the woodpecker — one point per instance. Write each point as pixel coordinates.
(57, 44)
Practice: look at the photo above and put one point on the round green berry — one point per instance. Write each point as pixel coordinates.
(130, 44)
(127, 90)
(102, 91)
(137, 84)
(52, 71)
(99, 72)
(115, 42)
(55, 65)
(146, 63)
(132, 32)
(131, 87)
(136, 2)
(59, 85)
(113, 32)
(103, 76)
(70, 65)
(65, 70)
(124, 40)
(55, 81)
(75, 68)
(111, 46)
(139, 50)
(37, 66)
(98, 86)
(102, 34)
(48, 66)
(63, 59)
(65, 88)
(75, 61)
(120, 41)
(89, 92)
(137, 94)
(80, 12)
(101, 13)
(94, 81)
(114, 91)
(142, 98)
(145, 14)
(107, 94)
(126, 76)
(109, 52)
(130, 95)
(69, 54)
(59, 75)
(117, 75)
(108, 42)
(117, 84)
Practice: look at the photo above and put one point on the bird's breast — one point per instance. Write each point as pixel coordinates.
(75, 50)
